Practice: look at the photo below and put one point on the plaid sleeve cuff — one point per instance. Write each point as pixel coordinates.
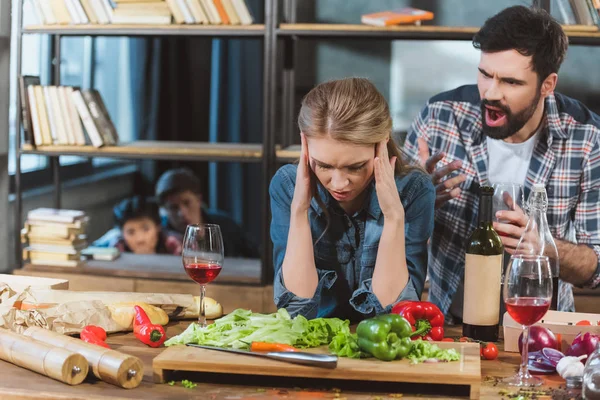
(594, 281)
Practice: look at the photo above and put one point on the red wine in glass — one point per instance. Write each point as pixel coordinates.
(527, 310)
(202, 256)
(203, 273)
(527, 295)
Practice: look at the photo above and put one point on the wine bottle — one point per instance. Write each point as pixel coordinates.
(483, 275)
(537, 238)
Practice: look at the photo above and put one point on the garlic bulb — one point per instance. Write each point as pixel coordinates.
(570, 366)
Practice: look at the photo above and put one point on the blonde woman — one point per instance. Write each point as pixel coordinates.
(350, 222)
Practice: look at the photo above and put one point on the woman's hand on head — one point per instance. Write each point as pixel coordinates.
(302, 190)
(385, 184)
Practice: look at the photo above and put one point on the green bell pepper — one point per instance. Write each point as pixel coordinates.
(386, 337)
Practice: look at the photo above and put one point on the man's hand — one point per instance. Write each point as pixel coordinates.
(511, 229)
(445, 189)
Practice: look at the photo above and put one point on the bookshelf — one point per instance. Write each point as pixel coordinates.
(277, 143)
(155, 150)
(290, 31)
(147, 149)
(578, 34)
(255, 30)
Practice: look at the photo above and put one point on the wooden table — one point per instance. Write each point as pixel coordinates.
(19, 383)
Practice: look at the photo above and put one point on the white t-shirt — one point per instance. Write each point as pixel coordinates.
(509, 162)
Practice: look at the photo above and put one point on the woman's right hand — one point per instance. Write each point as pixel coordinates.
(302, 191)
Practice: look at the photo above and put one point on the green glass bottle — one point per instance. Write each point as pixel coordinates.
(483, 275)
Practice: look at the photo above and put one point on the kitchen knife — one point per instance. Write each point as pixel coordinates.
(295, 357)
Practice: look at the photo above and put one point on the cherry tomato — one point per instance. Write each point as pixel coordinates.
(447, 339)
(490, 351)
(464, 339)
(584, 322)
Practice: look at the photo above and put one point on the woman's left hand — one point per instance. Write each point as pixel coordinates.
(385, 184)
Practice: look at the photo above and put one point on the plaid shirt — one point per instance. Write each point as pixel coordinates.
(566, 159)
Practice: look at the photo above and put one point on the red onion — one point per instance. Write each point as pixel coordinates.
(583, 344)
(539, 338)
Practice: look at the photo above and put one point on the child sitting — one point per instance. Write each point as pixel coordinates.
(141, 233)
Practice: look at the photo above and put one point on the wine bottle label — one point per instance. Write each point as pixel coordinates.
(483, 278)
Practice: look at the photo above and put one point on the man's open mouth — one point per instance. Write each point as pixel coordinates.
(494, 117)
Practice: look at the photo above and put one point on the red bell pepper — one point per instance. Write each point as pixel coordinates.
(426, 319)
(94, 334)
(148, 333)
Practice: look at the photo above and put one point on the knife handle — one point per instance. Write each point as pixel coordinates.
(314, 360)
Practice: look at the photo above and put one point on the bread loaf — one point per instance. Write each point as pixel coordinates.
(123, 313)
(213, 309)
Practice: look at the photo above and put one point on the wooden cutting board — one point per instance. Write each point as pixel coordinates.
(465, 372)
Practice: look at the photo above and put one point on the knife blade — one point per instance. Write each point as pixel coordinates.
(295, 357)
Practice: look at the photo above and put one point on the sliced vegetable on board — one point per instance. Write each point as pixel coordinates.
(268, 347)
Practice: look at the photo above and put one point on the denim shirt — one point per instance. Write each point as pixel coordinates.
(345, 256)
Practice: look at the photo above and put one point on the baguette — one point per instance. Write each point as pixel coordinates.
(123, 313)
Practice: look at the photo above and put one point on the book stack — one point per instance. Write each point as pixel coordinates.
(53, 115)
(54, 237)
(159, 12)
(215, 12)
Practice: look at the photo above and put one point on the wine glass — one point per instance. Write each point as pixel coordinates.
(202, 257)
(527, 295)
(507, 197)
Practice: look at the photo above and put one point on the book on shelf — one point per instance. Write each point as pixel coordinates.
(153, 12)
(406, 15)
(56, 215)
(57, 115)
(52, 258)
(55, 231)
(24, 82)
(585, 12)
(101, 253)
(193, 12)
(142, 13)
(54, 236)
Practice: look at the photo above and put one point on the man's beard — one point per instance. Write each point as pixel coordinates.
(514, 122)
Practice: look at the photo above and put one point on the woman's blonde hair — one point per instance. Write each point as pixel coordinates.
(349, 110)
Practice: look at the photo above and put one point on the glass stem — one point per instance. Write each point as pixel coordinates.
(523, 372)
(202, 311)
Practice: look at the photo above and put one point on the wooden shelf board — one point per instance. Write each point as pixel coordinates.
(149, 30)
(290, 153)
(159, 150)
(159, 266)
(578, 34)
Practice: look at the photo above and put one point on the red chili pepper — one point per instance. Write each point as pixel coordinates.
(148, 333)
(94, 334)
(425, 318)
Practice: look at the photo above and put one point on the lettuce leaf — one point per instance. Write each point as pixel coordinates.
(423, 350)
(346, 345)
(241, 327)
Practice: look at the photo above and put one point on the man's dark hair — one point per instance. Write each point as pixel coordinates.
(176, 181)
(134, 208)
(531, 32)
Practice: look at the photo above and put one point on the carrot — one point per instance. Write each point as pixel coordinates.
(263, 346)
